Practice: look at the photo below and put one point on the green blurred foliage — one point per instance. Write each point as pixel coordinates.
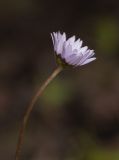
(107, 31)
(103, 154)
(57, 93)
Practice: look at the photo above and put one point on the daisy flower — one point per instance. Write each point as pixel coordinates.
(70, 51)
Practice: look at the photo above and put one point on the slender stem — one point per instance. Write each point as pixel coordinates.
(29, 109)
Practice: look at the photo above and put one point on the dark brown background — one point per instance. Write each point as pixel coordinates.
(78, 115)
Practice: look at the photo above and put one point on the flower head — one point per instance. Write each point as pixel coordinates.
(70, 51)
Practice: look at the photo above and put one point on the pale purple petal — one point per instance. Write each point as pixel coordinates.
(83, 49)
(87, 55)
(64, 37)
(53, 38)
(60, 47)
(71, 40)
(76, 60)
(67, 51)
(71, 50)
(77, 44)
(71, 58)
(88, 61)
(59, 36)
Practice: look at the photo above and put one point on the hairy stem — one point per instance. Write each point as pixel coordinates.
(29, 110)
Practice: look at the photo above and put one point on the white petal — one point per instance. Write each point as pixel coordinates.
(64, 36)
(55, 41)
(71, 58)
(67, 51)
(88, 61)
(80, 44)
(83, 49)
(76, 44)
(55, 35)
(71, 40)
(76, 60)
(53, 38)
(59, 36)
(86, 55)
(91, 53)
(60, 47)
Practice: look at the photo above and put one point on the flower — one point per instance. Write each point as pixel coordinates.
(70, 51)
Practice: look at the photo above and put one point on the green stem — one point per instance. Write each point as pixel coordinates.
(29, 110)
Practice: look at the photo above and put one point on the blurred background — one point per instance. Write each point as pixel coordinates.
(77, 117)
